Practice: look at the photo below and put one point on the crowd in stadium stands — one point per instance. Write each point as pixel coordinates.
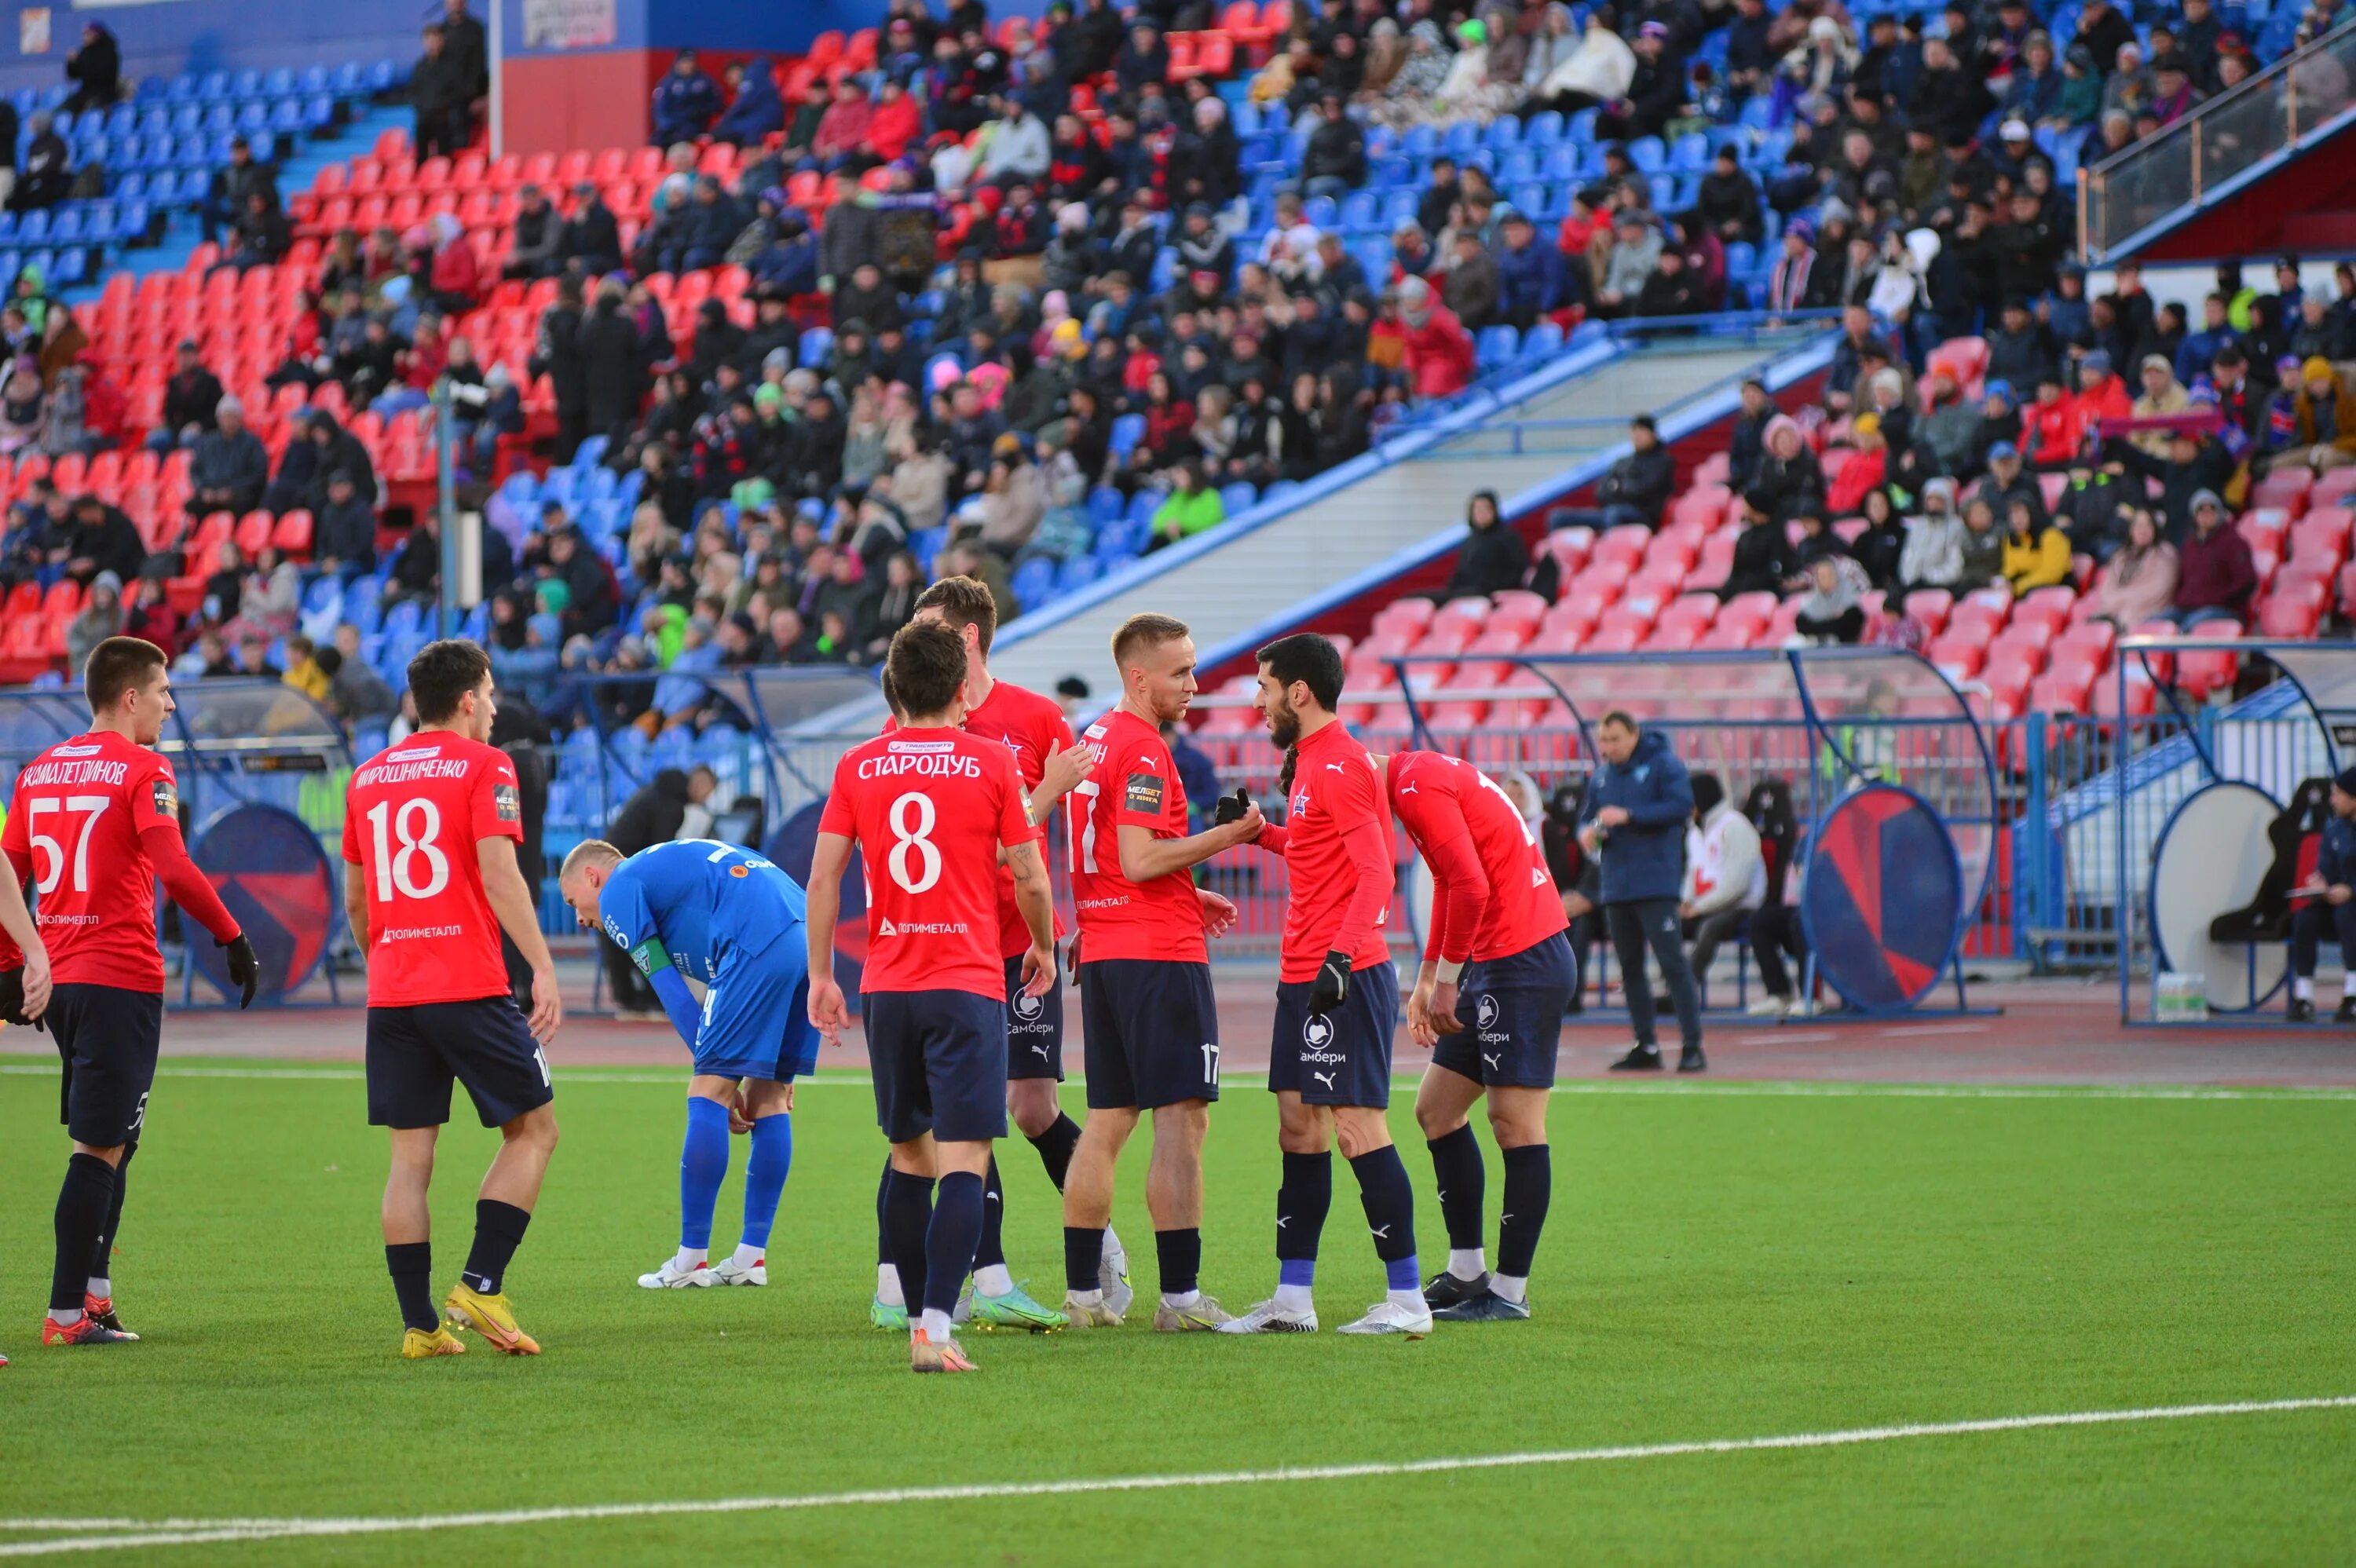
(1028, 300)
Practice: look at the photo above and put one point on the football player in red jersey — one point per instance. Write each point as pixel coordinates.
(1497, 945)
(1035, 729)
(1336, 1000)
(430, 833)
(1152, 1024)
(95, 824)
(932, 808)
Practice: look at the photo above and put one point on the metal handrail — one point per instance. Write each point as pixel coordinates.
(2095, 179)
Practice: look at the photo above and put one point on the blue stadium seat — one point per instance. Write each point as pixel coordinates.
(591, 452)
(286, 115)
(351, 81)
(1359, 210)
(1245, 116)
(1647, 154)
(186, 120)
(183, 89)
(279, 83)
(1503, 132)
(248, 84)
(1237, 498)
(1691, 153)
(1518, 163)
(1034, 583)
(558, 485)
(253, 117)
(318, 114)
(1320, 211)
(1144, 504)
(1127, 432)
(1077, 573)
(1543, 339)
(1494, 345)
(520, 488)
(1545, 130)
(1104, 506)
(384, 76)
(1420, 143)
(406, 618)
(151, 87)
(1461, 140)
(1756, 112)
(315, 79)
(600, 485)
(1740, 258)
(123, 120)
(213, 88)
(34, 229)
(817, 348)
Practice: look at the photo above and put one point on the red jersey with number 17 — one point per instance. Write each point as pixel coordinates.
(412, 821)
(1489, 874)
(1030, 727)
(1135, 785)
(929, 809)
(74, 832)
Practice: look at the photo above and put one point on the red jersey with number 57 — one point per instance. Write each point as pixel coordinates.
(74, 833)
(411, 823)
(929, 809)
(1492, 895)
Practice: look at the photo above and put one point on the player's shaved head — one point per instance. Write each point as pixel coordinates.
(590, 853)
(117, 665)
(926, 668)
(1140, 634)
(442, 675)
(963, 602)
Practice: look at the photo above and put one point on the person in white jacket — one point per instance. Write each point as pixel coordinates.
(1726, 877)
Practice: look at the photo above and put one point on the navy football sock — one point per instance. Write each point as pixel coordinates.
(411, 1263)
(499, 1231)
(907, 1212)
(766, 1169)
(1300, 1206)
(1083, 1250)
(102, 1257)
(1056, 1145)
(703, 1167)
(992, 1248)
(1181, 1253)
(1530, 1185)
(950, 1239)
(1390, 1211)
(1462, 1179)
(84, 1201)
(882, 1230)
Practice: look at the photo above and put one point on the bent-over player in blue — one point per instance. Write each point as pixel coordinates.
(732, 920)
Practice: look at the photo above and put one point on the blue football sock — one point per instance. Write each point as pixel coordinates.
(703, 1167)
(950, 1239)
(765, 1175)
(1390, 1211)
(1301, 1205)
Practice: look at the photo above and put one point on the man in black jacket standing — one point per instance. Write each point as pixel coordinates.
(440, 92)
(653, 815)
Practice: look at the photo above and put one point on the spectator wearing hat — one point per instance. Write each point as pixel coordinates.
(230, 467)
(226, 191)
(535, 244)
(2216, 578)
(2324, 415)
(1437, 352)
(1728, 201)
(2326, 905)
(1472, 284)
(686, 103)
(1636, 253)
(344, 532)
(1532, 280)
(2173, 95)
(95, 68)
(191, 401)
(1797, 282)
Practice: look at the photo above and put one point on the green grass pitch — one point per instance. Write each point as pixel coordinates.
(1718, 1265)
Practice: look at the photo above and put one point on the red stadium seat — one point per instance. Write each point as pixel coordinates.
(1625, 544)
(1959, 654)
(1930, 607)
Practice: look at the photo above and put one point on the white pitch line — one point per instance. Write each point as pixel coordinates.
(1786, 1037)
(1917, 1031)
(193, 1532)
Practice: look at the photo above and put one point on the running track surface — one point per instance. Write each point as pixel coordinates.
(2051, 1031)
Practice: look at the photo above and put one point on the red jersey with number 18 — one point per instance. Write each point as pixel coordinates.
(929, 809)
(411, 820)
(75, 833)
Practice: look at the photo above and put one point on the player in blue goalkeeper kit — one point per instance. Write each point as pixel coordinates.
(734, 921)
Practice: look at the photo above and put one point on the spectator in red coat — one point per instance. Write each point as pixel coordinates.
(2050, 427)
(1439, 350)
(843, 130)
(2102, 395)
(895, 122)
(457, 277)
(1867, 469)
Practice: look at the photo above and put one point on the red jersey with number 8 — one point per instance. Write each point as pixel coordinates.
(74, 834)
(410, 823)
(929, 809)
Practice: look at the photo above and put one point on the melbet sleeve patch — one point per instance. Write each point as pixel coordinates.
(165, 796)
(507, 802)
(1144, 793)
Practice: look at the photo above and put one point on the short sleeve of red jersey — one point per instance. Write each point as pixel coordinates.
(154, 795)
(1014, 826)
(493, 800)
(1144, 787)
(351, 834)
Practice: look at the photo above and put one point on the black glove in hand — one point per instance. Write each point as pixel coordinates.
(12, 1000)
(1333, 983)
(1232, 807)
(244, 969)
